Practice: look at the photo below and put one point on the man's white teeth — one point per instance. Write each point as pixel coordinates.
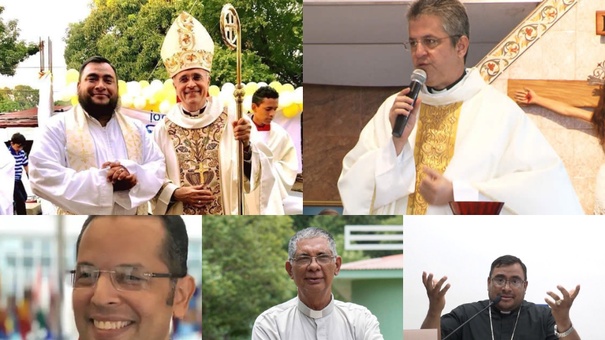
(111, 324)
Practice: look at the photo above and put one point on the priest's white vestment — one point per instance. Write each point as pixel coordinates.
(83, 190)
(498, 155)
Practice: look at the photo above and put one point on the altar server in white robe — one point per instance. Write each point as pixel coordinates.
(7, 181)
(92, 159)
(464, 140)
(265, 102)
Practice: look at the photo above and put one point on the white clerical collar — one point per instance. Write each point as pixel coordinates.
(194, 113)
(316, 314)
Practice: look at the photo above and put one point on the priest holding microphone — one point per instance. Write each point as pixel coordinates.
(463, 139)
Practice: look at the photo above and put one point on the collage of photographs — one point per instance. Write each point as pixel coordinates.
(133, 129)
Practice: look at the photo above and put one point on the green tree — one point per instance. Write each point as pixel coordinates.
(130, 34)
(243, 272)
(22, 97)
(12, 50)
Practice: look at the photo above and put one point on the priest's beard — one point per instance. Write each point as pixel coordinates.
(97, 110)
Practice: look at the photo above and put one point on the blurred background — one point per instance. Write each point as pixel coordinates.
(35, 292)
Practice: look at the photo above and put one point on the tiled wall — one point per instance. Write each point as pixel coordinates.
(570, 50)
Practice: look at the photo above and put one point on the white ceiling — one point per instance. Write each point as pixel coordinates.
(359, 43)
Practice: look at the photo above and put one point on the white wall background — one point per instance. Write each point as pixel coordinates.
(556, 250)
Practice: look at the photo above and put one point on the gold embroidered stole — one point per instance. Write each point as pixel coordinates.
(435, 141)
(80, 148)
(198, 154)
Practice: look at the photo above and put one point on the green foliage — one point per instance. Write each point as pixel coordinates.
(12, 50)
(243, 272)
(22, 97)
(130, 34)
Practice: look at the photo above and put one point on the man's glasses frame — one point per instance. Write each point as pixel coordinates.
(122, 278)
(428, 42)
(304, 260)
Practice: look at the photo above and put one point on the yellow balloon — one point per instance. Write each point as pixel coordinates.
(214, 90)
(144, 83)
(171, 95)
(290, 111)
(276, 86)
(74, 100)
(122, 89)
(287, 88)
(72, 76)
(169, 83)
(250, 88)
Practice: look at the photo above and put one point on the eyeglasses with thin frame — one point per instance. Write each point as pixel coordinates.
(123, 278)
(428, 42)
(515, 282)
(305, 260)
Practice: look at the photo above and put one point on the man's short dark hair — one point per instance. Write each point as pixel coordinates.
(97, 60)
(18, 138)
(262, 93)
(174, 247)
(507, 260)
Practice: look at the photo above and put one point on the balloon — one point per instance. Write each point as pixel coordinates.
(74, 100)
(134, 88)
(228, 88)
(156, 84)
(287, 88)
(286, 99)
(247, 104)
(122, 89)
(214, 90)
(262, 84)
(165, 106)
(276, 85)
(290, 111)
(72, 76)
(144, 83)
(170, 95)
(139, 102)
(298, 95)
(250, 88)
(127, 101)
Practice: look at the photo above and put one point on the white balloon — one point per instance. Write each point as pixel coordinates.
(165, 106)
(286, 99)
(247, 104)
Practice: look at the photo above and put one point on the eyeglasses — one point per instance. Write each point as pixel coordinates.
(123, 278)
(304, 260)
(514, 282)
(428, 42)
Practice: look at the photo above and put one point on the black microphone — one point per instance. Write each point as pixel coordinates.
(418, 79)
(496, 300)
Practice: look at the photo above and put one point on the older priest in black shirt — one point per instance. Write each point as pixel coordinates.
(510, 317)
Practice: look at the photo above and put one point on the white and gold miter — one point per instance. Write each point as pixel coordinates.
(187, 45)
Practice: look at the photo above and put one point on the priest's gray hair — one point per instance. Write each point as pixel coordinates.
(309, 233)
(451, 12)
